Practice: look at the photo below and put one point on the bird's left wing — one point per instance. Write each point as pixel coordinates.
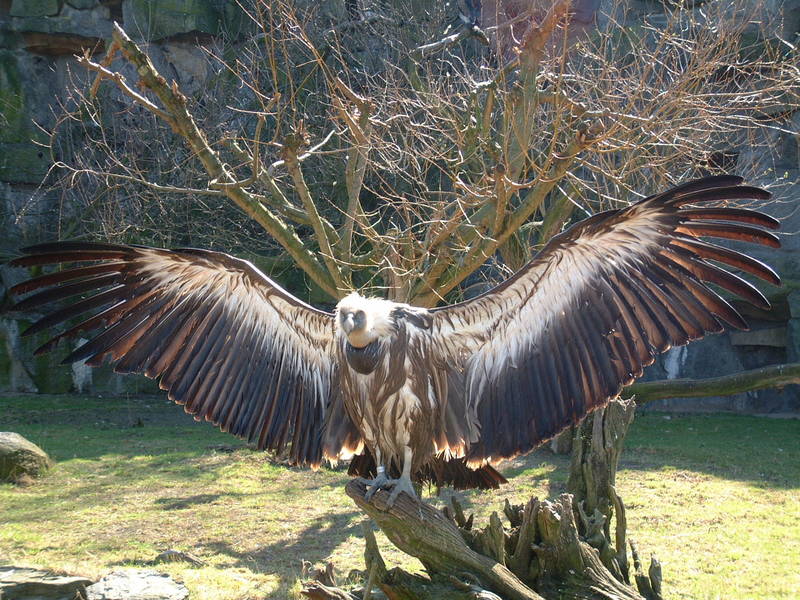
(569, 330)
(227, 342)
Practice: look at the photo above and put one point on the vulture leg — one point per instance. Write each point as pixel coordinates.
(404, 483)
(380, 481)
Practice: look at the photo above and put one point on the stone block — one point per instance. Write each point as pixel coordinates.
(87, 27)
(23, 162)
(235, 22)
(21, 371)
(9, 39)
(793, 340)
(159, 19)
(34, 8)
(794, 304)
(791, 19)
(22, 159)
(14, 376)
(12, 99)
(771, 336)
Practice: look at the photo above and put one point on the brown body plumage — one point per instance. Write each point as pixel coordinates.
(440, 394)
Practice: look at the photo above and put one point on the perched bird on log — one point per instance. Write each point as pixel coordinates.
(410, 393)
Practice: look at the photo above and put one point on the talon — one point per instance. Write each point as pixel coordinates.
(373, 485)
(401, 485)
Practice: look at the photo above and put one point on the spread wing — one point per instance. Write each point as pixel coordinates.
(569, 330)
(227, 342)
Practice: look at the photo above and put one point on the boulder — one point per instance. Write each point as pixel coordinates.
(20, 458)
(21, 583)
(137, 584)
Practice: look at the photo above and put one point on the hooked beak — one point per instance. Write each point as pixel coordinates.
(349, 323)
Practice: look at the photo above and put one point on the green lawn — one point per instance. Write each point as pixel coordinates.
(715, 497)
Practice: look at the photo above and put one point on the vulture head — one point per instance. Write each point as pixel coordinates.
(364, 320)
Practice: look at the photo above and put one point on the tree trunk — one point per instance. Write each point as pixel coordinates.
(561, 548)
(592, 478)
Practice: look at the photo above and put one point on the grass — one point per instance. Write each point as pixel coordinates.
(715, 497)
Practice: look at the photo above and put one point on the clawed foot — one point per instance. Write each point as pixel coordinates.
(381, 482)
(373, 485)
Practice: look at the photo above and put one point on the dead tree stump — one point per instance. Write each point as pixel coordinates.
(543, 549)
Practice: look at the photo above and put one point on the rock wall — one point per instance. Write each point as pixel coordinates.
(38, 41)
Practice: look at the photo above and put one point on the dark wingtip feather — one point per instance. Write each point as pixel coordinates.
(47, 347)
(743, 233)
(714, 193)
(75, 246)
(697, 185)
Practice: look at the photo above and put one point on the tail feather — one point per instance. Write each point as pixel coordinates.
(438, 471)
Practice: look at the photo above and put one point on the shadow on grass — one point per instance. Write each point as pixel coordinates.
(284, 557)
(760, 451)
(83, 427)
(757, 450)
(190, 501)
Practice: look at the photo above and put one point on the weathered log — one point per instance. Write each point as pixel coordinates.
(549, 557)
(319, 591)
(570, 567)
(376, 567)
(649, 583)
(420, 530)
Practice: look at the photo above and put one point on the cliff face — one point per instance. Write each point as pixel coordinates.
(38, 41)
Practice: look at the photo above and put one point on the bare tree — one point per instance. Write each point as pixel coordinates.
(379, 151)
(413, 166)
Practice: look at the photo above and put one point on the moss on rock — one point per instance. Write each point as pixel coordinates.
(160, 19)
(21, 458)
(34, 8)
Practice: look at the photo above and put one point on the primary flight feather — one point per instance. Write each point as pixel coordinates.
(405, 392)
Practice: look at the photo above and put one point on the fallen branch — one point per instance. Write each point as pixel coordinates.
(745, 381)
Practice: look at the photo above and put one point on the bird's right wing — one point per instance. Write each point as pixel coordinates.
(227, 342)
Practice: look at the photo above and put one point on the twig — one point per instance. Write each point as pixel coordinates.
(308, 153)
(322, 235)
(103, 72)
(178, 115)
(421, 52)
(167, 189)
(533, 43)
(255, 169)
(107, 60)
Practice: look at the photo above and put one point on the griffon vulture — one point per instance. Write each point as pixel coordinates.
(411, 393)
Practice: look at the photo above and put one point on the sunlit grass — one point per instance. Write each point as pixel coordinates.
(716, 498)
